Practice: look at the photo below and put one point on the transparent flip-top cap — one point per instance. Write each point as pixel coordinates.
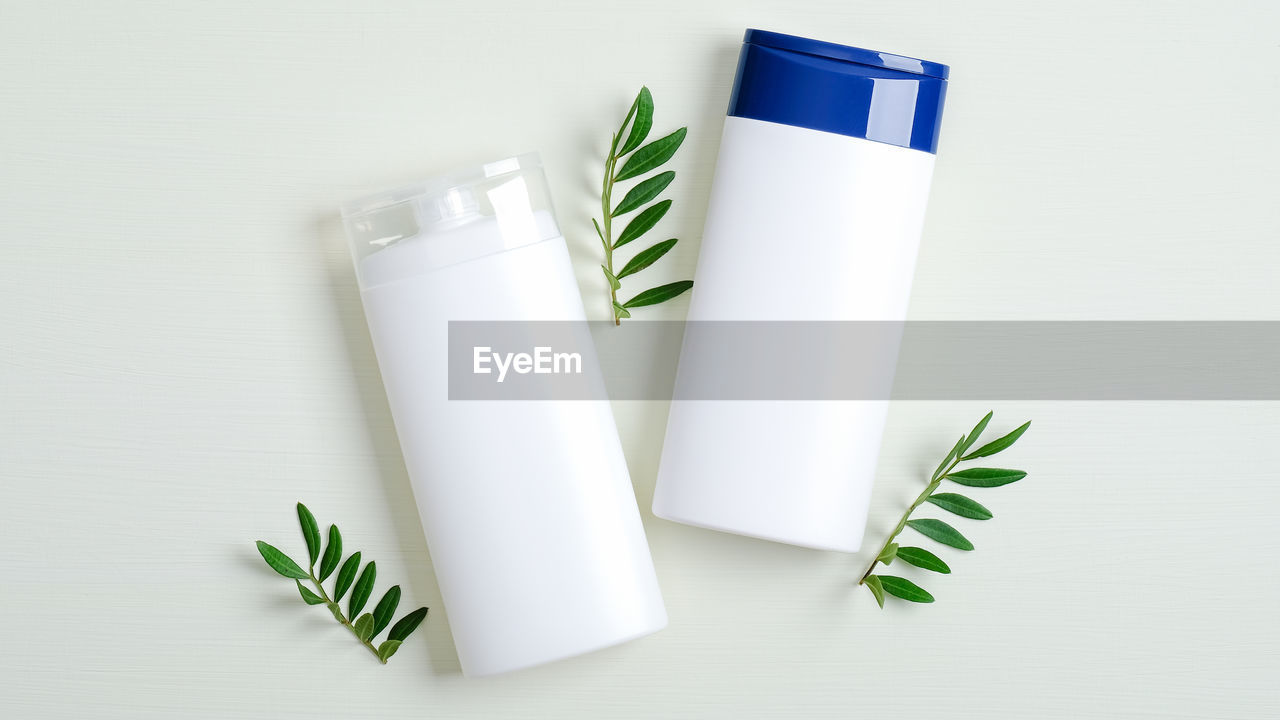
(449, 219)
(451, 206)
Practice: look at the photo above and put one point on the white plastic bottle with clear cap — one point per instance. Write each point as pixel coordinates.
(528, 509)
(815, 214)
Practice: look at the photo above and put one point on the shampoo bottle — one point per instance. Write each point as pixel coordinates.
(527, 506)
(815, 215)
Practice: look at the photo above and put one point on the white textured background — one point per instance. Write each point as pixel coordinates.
(182, 356)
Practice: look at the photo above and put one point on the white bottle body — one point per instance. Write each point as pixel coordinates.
(802, 225)
(527, 506)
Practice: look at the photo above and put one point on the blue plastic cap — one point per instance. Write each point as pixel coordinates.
(840, 89)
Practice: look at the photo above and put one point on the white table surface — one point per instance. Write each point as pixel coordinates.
(183, 356)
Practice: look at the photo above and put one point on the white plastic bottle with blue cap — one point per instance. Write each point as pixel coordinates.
(815, 214)
(527, 506)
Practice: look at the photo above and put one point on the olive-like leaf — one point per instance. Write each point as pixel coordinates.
(407, 624)
(364, 627)
(659, 294)
(642, 111)
(387, 649)
(619, 311)
(363, 589)
(310, 531)
(644, 192)
(336, 610)
(308, 597)
(922, 558)
(905, 589)
(950, 456)
(942, 532)
(280, 562)
(651, 156)
(996, 446)
(973, 436)
(642, 223)
(888, 553)
(873, 584)
(614, 138)
(613, 280)
(646, 257)
(600, 233)
(346, 576)
(960, 505)
(385, 609)
(332, 553)
(985, 477)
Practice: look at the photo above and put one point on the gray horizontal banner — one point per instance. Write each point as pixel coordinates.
(929, 360)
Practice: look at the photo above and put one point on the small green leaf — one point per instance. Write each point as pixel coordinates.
(387, 649)
(642, 110)
(346, 576)
(922, 558)
(996, 446)
(644, 192)
(986, 477)
(659, 294)
(651, 156)
(646, 257)
(873, 584)
(973, 436)
(942, 532)
(614, 138)
(280, 562)
(642, 223)
(960, 505)
(385, 609)
(905, 589)
(407, 624)
(600, 233)
(950, 456)
(337, 611)
(619, 311)
(332, 553)
(613, 281)
(887, 554)
(364, 627)
(310, 531)
(363, 589)
(308, 597)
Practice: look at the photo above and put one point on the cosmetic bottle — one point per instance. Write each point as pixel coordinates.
(527, 506)
(815, 214)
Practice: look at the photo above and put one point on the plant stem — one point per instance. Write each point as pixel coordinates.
(337, 614)
(934, 483)
(606, 208)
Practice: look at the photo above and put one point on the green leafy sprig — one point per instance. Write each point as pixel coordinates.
(635, 127)
(953, 503)
(365, 627)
